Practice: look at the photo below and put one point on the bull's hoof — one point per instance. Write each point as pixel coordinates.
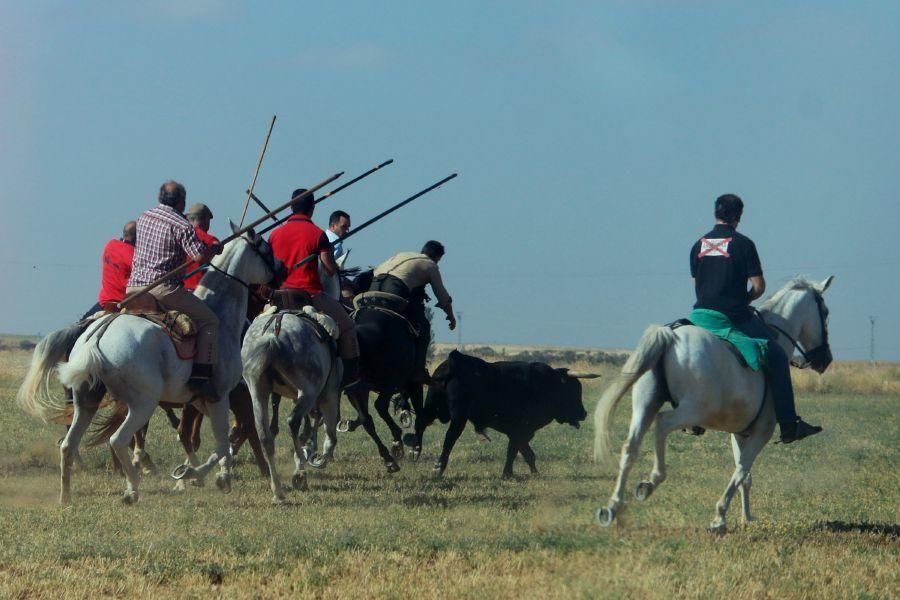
(299, 482)
(415, 453)
(438, 469)
(605, 517)
(223, 482)
(391, 466)
(65, 499)
(397, 450)
(406, 419)
(179, 487)
(130, 497)
(318, 460)
(643, 491)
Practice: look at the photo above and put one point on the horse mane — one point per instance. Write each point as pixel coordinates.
(798, 283)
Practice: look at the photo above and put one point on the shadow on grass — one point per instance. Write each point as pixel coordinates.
(885, 529)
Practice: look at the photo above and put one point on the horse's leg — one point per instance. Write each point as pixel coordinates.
(360, 401)
(139, 413)
(275, 400)
(242, 408)
(643, 409)
(382, 405)
(141, 458)
(189, 415)
(457, 425)
(745, 449)
(86, 406)
(260, 391)
(218, 416)
(330, 418)
(302, 405)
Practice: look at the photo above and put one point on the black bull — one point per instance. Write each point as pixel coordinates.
(514, 398)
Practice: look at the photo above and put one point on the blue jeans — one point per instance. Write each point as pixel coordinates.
(778, 369)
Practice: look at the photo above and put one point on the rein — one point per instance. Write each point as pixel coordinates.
(822, 351)
(250, 290)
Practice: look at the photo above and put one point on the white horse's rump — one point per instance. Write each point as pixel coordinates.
(710, 389)
(296, 364)
(138, 366)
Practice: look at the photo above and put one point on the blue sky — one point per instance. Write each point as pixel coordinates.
(590, 138)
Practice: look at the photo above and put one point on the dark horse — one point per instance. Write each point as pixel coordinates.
(387, 346)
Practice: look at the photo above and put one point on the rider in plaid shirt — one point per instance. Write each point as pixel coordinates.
(166, 240)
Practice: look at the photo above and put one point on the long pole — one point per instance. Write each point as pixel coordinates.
(256, 174)
(330, 194)
(381, 216)
(238, 233)
(283, 219)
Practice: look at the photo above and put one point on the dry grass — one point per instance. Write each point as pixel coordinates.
(362, 533)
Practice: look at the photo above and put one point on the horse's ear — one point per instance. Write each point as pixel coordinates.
(234, 228)
(824, 285)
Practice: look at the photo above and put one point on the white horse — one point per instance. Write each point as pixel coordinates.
(709, 388)
(138, 366)
(292, 361)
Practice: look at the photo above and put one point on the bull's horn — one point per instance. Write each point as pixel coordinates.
(583, 375)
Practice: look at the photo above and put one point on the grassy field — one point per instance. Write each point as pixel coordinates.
(828, 514)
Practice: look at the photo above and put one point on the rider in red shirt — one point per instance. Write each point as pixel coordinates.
(115, 271)
(298, 238)
(199, 216)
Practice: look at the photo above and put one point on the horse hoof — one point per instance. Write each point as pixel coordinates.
(299, 482)
(438, 470)
(397, 450)
(406, 419)
(184, 471)
(198, 482)
(391, 466)
(643, 491)
(343, 425)
(130, 498)
(605, 517)
(278, 500)
(223, 482)
(717, 528)
(318, 461)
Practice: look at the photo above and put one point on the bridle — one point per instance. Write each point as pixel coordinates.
(270, 261)
(819, 357)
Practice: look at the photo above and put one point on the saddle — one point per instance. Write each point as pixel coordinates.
(291, 300)
(324, 326)
(180, 328)
(731, 347)
(385, 300)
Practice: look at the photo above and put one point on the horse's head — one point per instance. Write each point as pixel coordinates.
(801, 304)
(250, 259)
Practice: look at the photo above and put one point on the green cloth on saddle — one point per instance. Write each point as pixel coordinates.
(752, 349)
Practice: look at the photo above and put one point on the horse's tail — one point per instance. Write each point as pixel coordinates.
(257, 357)
(84, 367)
(106, 424)
(655, 341)
(35, 395)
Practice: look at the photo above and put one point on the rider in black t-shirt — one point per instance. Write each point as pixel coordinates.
(722, 262)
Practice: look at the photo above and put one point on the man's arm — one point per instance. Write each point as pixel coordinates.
(328, 263)
(757, 287)
(445, 302)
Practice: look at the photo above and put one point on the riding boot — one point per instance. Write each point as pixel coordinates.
(797, 430)
(201, 382)
(350, 380)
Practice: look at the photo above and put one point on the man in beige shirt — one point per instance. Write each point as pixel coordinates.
(406, 274)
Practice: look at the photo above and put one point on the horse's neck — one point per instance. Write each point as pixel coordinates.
(228, 300)
(784, 316)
